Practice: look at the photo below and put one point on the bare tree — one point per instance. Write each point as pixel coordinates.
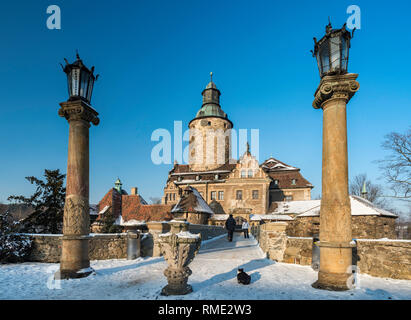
(375, 192)
(397, 166)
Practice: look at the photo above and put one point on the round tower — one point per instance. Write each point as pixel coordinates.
(210, 133)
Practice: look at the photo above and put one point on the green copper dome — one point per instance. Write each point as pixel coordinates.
(211, 102)
(211, 110)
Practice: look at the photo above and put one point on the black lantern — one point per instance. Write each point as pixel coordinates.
(80, 80)
(332, 51)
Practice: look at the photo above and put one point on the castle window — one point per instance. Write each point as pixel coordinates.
(288, 198)
(197, 178)
(276, 182)
(209, 123)
(213, 195)
(239, 195)
(293, 182)
(174, 196)
(216, 177)
(220, 195)
(255, 194)
(243, 173)
(180, 178)
(250, 173)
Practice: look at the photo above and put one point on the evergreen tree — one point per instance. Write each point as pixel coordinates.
(13, 247)
(108, 225)
(48, 203)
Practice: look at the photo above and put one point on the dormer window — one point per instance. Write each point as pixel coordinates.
(293, 182)
(197, 178)
(243, 173)
(276, 182)
(180, 179)
(250, 173)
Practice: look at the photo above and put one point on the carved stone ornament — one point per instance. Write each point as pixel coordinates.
(78, 110)
(336, 87)
(179, 248)
(75, 219)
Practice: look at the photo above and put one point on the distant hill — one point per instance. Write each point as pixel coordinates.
(18, 211)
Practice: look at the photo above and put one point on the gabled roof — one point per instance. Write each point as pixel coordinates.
(285, 179)
(192, 201)
(311, 208)
(272, 164)
(182, 174)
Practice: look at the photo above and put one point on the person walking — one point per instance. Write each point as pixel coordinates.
(245, 227)
(230, 226)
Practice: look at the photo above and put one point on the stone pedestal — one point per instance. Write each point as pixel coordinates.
(74, 261)
(179, 248)
(332, 96)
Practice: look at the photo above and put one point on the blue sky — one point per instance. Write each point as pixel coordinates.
(154, 58)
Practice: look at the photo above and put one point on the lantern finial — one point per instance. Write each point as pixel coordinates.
(328, 28)
(211, 76)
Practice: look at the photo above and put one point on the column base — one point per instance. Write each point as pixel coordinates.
(170, 291)
(333, 281)
(73, 274)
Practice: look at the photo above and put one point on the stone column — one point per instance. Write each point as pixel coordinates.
(332, 96)
(74, 262)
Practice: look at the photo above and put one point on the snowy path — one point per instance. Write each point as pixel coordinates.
(214, 277)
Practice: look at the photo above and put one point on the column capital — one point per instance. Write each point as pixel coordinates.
(78, 110)
(336, 87)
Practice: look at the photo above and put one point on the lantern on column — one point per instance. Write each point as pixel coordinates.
(80, 80)
(332, 51)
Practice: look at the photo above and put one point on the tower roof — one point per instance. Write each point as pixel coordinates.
(211, 102)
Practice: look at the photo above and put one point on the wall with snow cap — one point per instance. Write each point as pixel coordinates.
(47, 247)
(387, 258)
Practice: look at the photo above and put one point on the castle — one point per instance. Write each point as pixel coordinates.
(227, 183)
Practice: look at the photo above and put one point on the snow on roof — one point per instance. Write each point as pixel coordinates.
(311, 208)
(258, 217)
(133, 222)
(197, 202)
(142, 200)
(104, 210)
(274, 164)
(220, 217)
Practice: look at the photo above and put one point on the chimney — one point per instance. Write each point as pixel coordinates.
(134, 191)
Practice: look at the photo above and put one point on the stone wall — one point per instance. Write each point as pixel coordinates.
(47, 248)
(385, 258)
(363, 227)
(273, 240)
(298, 251)
(376, 257)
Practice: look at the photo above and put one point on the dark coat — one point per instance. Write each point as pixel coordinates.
(230, 224)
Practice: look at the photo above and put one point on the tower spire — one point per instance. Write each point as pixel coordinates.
(364, 192)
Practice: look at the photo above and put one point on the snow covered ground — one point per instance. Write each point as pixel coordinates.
(214, 277)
